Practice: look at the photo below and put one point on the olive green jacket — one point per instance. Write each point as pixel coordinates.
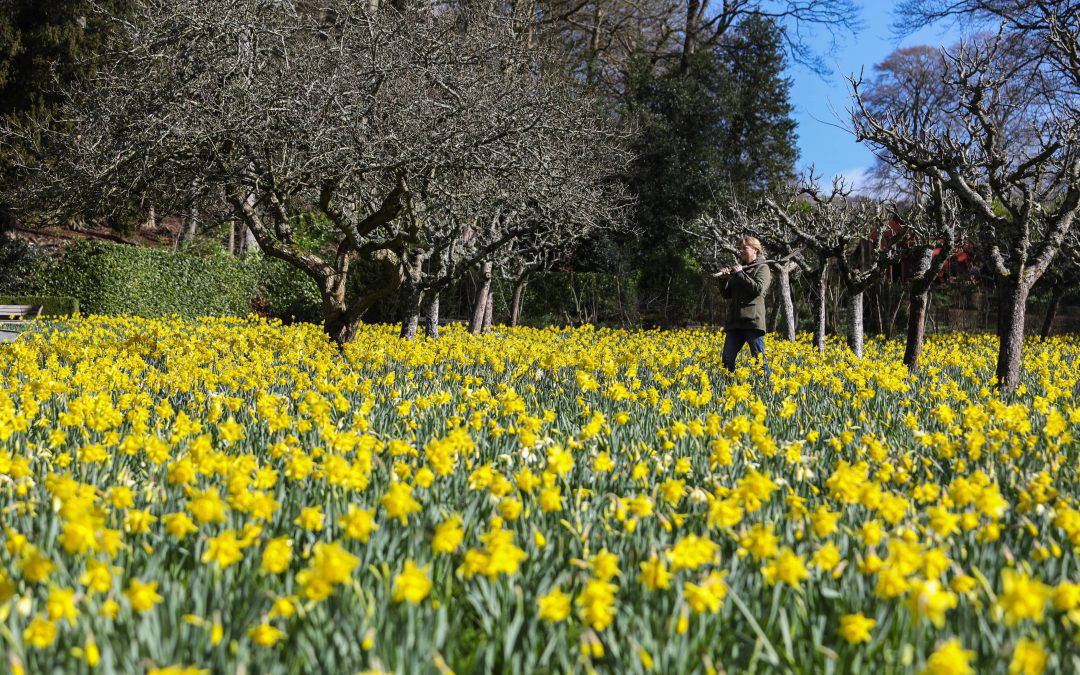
(747, 289)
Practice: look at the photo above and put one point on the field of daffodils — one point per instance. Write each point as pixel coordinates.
(233, 495)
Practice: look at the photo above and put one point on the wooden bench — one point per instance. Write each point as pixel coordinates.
(20, 312)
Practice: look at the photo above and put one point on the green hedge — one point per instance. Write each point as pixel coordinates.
(110, 278)
(22, 266)
(287, 293)
(50, 305)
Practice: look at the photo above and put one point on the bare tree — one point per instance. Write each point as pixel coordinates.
(287, 111)
(1031, 16)
(496, 226)
(601, 39)
(1022, 189)
(789, 260)
(932, 231)
(714, 237)
(908, 79)
(1041, 35)
(706, 23)
(538, 252)
(833, 225)
(1062, 277)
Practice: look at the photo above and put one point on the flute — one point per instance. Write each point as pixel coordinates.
(786, 258)
(753, 264)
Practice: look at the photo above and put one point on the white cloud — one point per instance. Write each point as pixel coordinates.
(856, 178)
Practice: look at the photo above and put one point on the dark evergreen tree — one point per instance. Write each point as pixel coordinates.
(718, 124)
(681, 118)
(758, 143)
(45, 44)
(40, 40)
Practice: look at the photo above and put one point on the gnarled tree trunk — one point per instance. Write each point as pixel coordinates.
(1013, 305)
(489, 310)
(429, 305)
(1056, 293)
(787, 307)
(518, 299)
(855, 323)
(342, 313)
(928, 265)
(916, 327)
(482, 294)
(411, 296)
(410, 314)
(821, 287)
(338, 321)
(430, 313)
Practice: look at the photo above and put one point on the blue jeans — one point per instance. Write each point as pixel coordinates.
(736, 338)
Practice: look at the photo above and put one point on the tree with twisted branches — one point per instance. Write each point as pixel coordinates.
(1062, 277)
(714, 237)
(491, 227)
(932, 225)
(543, 248)
(280, 110)
(1013, 164)
(834, 225)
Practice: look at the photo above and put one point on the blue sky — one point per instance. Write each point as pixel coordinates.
(820, 105)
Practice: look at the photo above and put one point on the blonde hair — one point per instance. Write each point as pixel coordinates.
(753, 243)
